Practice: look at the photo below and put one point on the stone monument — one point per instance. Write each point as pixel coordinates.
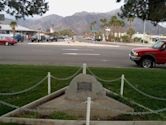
(73, 102)
(83, 86)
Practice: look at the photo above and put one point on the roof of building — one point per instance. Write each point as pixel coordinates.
(5, 27)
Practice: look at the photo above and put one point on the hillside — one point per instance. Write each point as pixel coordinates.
(80, 22)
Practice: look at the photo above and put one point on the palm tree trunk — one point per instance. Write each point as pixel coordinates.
(14, 32)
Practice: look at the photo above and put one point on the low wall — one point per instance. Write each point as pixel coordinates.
(28, 121)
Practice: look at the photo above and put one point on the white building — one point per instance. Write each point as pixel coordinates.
(148, 38)
(6, 29)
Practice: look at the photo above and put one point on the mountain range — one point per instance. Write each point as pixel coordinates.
(80, 22)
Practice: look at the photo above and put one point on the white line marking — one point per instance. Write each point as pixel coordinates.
(82, 54)
(104, 60)
(70, 49)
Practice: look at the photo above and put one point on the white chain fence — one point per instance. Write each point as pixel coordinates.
(143, 93)
(98, 78)
(103, 80)
(39, 83)
(25, 90)
(69, 77)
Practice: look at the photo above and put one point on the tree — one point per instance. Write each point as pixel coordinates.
(153, 10)
(130, 32)
(23, 8)
(66, 32)
(93, 25)
(13, 25)
(130, 19)
(116, 23)
(104, 23)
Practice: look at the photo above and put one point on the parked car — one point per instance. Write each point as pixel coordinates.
(19, 38)
(53, 38)
(7, 41)
(61, 37)
(40, 38)
(148, 57)
(36, 38)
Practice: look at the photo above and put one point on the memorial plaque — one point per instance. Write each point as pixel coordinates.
(84, 86)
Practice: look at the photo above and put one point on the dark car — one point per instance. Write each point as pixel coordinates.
(53, 38)
(35, 38)
(7, 41)
(19, 38)
(148, 57)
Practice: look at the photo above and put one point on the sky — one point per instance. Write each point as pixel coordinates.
(69, 7)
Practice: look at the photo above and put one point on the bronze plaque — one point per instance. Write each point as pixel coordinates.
(84, 86)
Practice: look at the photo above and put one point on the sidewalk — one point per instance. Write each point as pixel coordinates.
(92, 44)
(69, 43)
(125, 44)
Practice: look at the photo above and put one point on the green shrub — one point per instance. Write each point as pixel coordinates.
(125, 39)
(137, 39)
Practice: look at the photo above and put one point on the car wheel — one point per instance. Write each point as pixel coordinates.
(6, 43)
(137, 63)
(147, 63)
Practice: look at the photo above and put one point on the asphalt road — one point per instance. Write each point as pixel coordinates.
(66, 55)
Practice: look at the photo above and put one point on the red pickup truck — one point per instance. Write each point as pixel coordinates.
(148, 57)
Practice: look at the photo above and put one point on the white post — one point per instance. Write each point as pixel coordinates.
(122, 85)
(88, 111)
(144, 31)
(49, 83)
(84, 68)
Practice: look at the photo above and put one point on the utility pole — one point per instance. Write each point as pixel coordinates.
(144, 31)
(2, 18)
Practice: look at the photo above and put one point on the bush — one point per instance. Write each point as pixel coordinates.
(112, 38)
(136, 39)
(98, 36)
(125, 39)
(130, 32)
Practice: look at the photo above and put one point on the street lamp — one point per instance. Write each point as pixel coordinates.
(144, 30)
(107, 32)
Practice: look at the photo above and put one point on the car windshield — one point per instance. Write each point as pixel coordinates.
(157, 45)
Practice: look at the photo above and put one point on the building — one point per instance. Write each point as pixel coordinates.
(148, 38)
(21, 33)
(6, 29)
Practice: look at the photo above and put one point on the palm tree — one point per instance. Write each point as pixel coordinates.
(120, 24)
(13, 25)
(104, 23)
(93, 25)
(130, 19)
(116, 23)
(93, 28)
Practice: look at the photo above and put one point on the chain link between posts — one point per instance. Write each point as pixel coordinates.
(143, 93)
(25, 90)
(103, 80)
(69, 77)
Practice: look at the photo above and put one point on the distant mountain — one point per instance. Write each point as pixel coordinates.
(80, 22)
(43, 23)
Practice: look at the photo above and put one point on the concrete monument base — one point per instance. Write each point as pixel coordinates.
(100, 109)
